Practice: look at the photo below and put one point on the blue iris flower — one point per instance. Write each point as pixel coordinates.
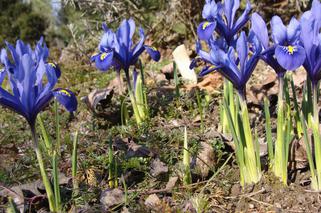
(32, 80)
(237, 64)
(118, 50)
(202, 55)
(221, 17)
(286, 53)
(311, 40)
(261, 31)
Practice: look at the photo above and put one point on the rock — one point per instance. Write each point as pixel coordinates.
(171, 183)
(155, 77)
(158, 167)
(183, 62)
(125, 210)
(205, 159)
(136, 150)
(111, 197)
(131, 148)
(168, 71)
(152, 201)
(299, 77)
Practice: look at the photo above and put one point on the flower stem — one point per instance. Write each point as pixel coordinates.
(133, 99)
(315, 104)
(75, 185)
(280, 142)
(316, 134)
(45, 179)
(55, 158)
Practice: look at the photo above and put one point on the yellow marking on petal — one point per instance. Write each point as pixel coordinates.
(212, 67)
(63, 91)
(103, 56)
(53, 65)
(291, 49)
(153, 48)
(205, 25)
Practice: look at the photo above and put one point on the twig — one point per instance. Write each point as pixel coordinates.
(260, 202)
(247, 195)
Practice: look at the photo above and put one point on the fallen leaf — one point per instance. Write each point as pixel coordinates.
(298, 156)
(131, 148)
(158, 167)
(98, 100)
(210, 83)
(111, 197)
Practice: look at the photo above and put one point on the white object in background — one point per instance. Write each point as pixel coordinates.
(183, 61)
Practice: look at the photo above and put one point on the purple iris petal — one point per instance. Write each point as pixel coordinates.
(135, 76)
(66, 98)
(278, 30)
(290, 57)
(104, 60)
(210, 9)
(242, 20)
(139, 46)
(208, 69)
(153, 52)
(11, 102)
(124, 33)
(293, 31)
(56, 68)
(107, 40)
(205, 30)
(315, 9)
(260, 29)
(194, 62)
(242, 50)
(230, 8)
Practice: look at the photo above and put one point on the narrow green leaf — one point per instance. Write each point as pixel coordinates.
(176, 80)
(186, 161)
(45, 136)
(268, 130)
(308, 147)
(74, 165)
